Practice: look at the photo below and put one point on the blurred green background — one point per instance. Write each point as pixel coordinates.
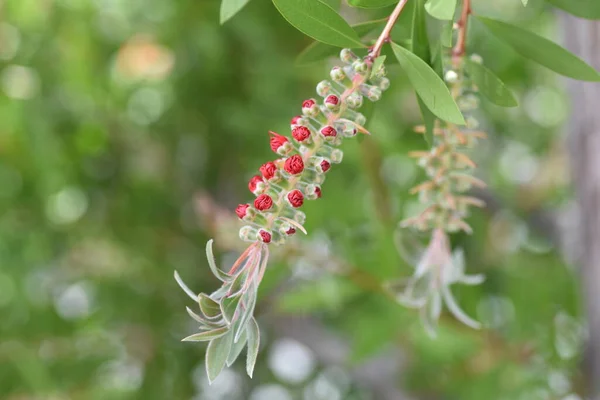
(128, 131)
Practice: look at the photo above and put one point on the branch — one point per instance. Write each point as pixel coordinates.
(385, 34)
(463, 22)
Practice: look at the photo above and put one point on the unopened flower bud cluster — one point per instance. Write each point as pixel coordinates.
(296, 176)
(448, 168)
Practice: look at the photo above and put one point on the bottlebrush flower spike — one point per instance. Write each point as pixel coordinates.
(449, 171)
(226, 316)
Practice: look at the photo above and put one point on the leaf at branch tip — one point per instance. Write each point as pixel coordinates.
(231, 7)
(441, 9)
(206, 336)
(208, 306)
(542, 51)
(319, 21)
(318, 51)
(429, 86)
(377, 65)
(216, 355)
(371, 3)
(183, 286)
(236, 349)
(222, 276)
(253, 334)
(490, 85)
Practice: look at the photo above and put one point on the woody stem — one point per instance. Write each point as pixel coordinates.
(387, 30)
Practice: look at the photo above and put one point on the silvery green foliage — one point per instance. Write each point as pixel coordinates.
(428, 289)
(225, 316)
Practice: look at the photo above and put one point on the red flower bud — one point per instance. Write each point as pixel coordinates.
(295, 120)
(318, 191)
(301, 133)
(241, 210)
(296, 198)
(325, 165)
(290, 231)
(308, 103)
(263, 202)
(264, 236)
(328, 131)
(332, 100)
(254, 181)
(277, 141)
(268, 170)
(294, 165)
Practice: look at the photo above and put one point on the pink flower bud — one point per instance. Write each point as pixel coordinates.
(241, 210)
(290, 231)
(255, 182)
(295, 198)
(277, 142)
(324, 166)
(294, 165)
(310, 108)
(301, 133)
(263, 202)
(264, 236)
(332, 102)
(328, 131)
(268, 170)
(318, 191)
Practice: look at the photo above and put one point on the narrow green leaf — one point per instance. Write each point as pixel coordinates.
(335, 4)
(205, 323)
(319, 21)
(236, 349)
(253, 334)
(318, 51)
(490, 85)
(542, 51)
(208, 306)
(428, 120)
(377, 65)
(222, 276)
(441, 9)
(429, 86)
(205, 336)
(589, 9)
(446, 34)
(231, 7)
(246, 312)
(229, 306)
(216, 355)
(420, 40)
(371, 3)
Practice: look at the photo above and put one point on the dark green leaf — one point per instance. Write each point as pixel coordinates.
(216, 355)
(420, 40)
(231, 7)
(429, 86)
(208, 306)
(371, 3)
(207, 335)
(335, 4)
(318, 51)
(428, 120)
(441, 9)
(319, 21)
(377, 65)
(542, 51)
(253, 334)
(589, 9)
(490, 85)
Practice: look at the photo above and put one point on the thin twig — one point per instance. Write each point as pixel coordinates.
(463, 22)
(385, 34)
